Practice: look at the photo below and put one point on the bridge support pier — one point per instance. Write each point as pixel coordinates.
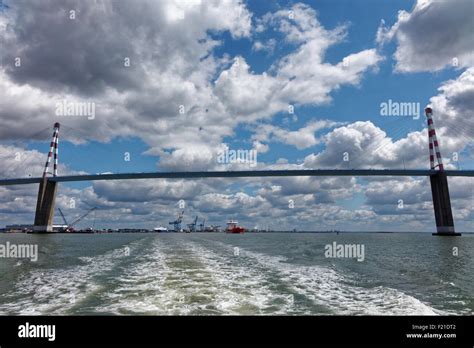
(45, 206)
(442, 205)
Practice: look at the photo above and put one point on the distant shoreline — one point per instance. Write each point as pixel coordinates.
(251, 232)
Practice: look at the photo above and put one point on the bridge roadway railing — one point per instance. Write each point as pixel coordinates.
(239, 174)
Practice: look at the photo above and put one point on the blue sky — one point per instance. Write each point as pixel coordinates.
(349, 103)
(137, 112)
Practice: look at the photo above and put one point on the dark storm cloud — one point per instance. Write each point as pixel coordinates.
(84, 54)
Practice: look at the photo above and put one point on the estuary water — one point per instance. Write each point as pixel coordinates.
(242, 274)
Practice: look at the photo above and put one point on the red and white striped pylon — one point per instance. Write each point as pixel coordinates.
(53, 149)
(433, 142)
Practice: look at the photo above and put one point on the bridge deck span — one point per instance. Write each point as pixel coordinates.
(239, 174)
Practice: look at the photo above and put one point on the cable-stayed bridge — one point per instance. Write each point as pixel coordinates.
(437, 174)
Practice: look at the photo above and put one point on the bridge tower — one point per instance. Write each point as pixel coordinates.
(47, 189)
(439, 185)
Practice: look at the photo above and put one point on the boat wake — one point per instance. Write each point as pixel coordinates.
(166, 275)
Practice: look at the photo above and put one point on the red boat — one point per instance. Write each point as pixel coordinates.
(232, 227)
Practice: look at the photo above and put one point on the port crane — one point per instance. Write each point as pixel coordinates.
(202, 225)
(64, 218)
(192, 226)
(177, 223)
(70, 226)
